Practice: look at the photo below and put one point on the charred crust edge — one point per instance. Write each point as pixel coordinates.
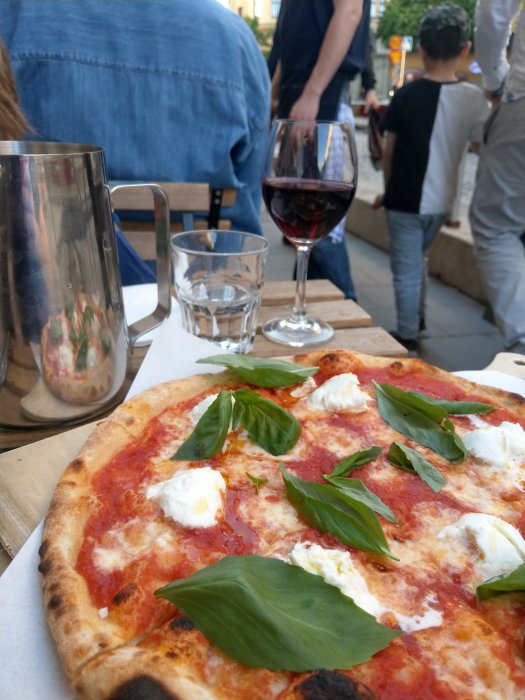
(124, 593)
(44, 567)
(142, 688)
(77, 464)
(182, 623)
(332, 685)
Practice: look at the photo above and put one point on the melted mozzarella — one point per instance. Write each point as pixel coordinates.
(129, 541)
(200, 409)
(92, 358)
(304, 388)
(194, 498)
(65, 357)
(501, 449)
(339, 393)
(494, 546)
(337, 569)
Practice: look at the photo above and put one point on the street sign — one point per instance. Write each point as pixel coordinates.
(394, 42)
(394, 56)
(406, 43)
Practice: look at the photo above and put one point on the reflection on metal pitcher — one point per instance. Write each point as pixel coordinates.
(77, 352)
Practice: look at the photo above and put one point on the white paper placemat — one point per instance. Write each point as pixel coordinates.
(30, 667)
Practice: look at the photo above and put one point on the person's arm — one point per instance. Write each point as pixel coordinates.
(276, 83)
(388, 154)
(339, 34)
(371, 101)
(493, 19)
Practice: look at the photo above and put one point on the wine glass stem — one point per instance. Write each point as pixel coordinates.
(303, 255)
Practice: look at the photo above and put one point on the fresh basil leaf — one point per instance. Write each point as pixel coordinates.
(420, 422)
(237, 414)
(261, 371)
(55, 330)
(209, 434)
(330, 510)
(88, 316)
(81, 363)
(355, 488)
(266, 613)
(106, 342)
(406, 458)
(456, 408)
(256, 480)
(416, 401)
(268, 425)
(515, 581)
(349, 464)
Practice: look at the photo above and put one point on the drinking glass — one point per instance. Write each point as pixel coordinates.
(218, 277)
(309, 183)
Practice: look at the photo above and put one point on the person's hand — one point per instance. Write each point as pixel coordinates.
(494, 101)
(274, 107)
(378, 201)
(371, 101)
(306, 107)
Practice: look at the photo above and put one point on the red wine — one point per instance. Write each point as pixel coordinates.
(306, 210)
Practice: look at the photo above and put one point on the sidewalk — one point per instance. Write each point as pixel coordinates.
(459, 337)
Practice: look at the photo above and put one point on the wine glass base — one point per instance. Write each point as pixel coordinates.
(297, 333)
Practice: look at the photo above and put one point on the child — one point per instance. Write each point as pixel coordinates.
(428, 125)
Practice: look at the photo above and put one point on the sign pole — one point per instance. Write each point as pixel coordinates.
(401, 78)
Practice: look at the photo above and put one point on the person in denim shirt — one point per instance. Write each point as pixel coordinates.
(173, 90)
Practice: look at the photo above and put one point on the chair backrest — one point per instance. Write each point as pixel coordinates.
(189, 199)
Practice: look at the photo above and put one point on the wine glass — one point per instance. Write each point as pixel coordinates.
(308, 185)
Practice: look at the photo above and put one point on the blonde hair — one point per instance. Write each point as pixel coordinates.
(13, 124)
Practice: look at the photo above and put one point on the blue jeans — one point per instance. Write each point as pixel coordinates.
(329, 260)
(410, 237)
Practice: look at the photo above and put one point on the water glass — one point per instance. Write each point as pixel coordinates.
(218, 277)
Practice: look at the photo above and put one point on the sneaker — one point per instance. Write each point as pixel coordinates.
(409, 343)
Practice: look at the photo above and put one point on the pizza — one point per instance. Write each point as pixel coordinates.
(343, 526)
(77, 352)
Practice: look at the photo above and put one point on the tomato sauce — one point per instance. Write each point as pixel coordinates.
(119, 489)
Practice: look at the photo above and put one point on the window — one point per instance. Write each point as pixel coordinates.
(276, 6)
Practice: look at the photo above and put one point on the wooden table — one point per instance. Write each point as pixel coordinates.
(28, 474)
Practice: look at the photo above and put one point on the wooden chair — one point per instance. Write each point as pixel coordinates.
(190, 200)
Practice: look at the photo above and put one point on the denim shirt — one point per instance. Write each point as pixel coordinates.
(173, 90)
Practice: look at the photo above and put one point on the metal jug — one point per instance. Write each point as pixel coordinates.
(65, 347)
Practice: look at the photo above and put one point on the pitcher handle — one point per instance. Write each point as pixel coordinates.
(162, 232)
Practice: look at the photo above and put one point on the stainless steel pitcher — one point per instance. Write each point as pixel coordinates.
(65, 347)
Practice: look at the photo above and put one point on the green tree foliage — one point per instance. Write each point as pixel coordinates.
(263, 36)
(403, 17)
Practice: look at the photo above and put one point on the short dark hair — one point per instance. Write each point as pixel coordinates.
(444, 31)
